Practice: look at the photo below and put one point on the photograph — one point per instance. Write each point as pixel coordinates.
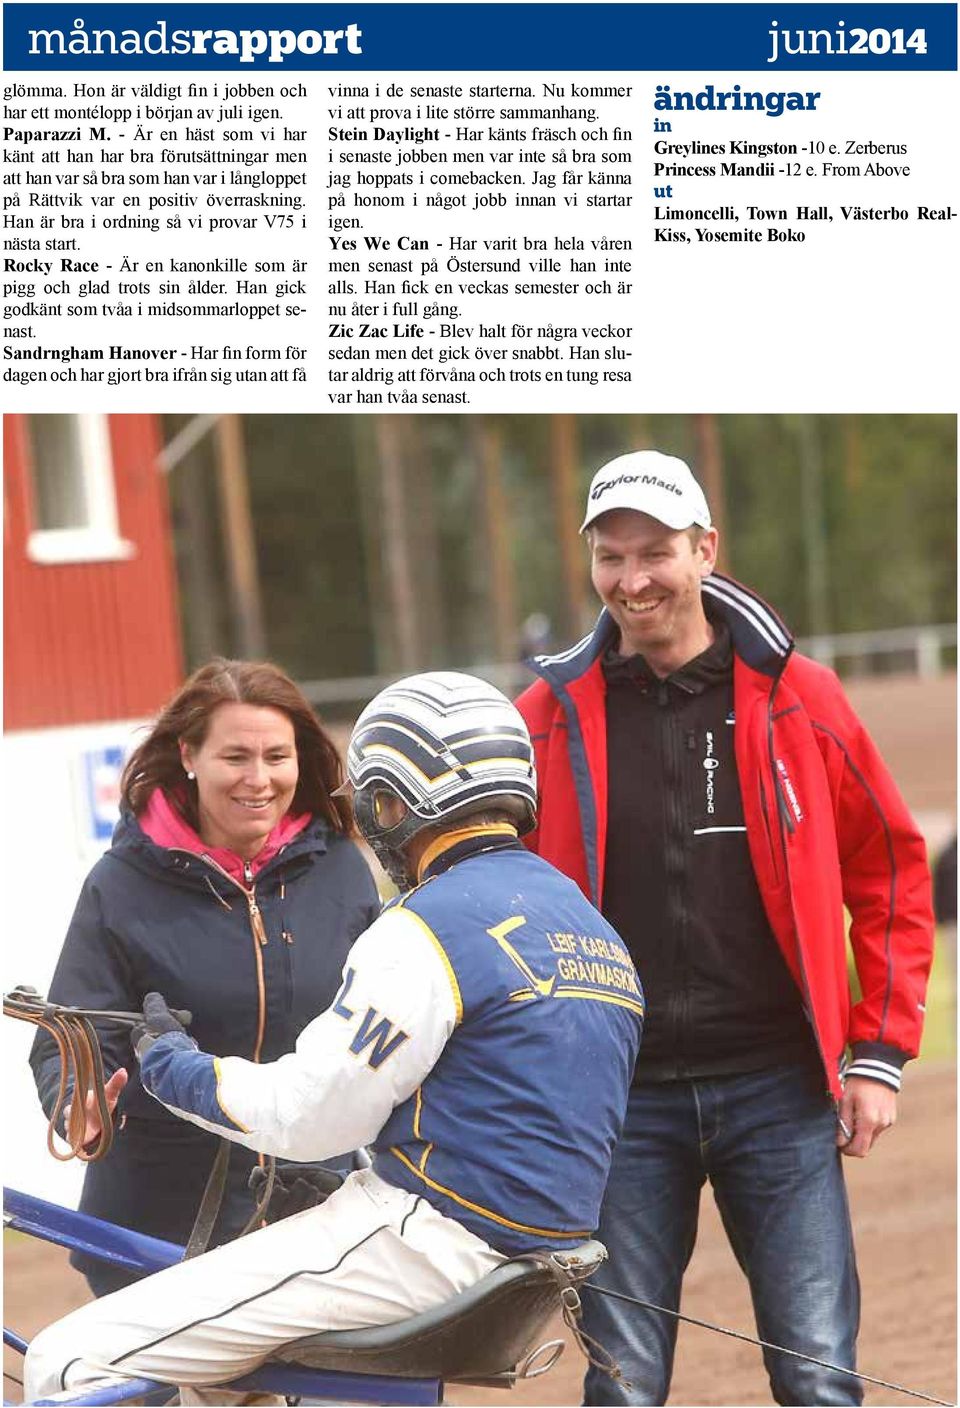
(490, 878)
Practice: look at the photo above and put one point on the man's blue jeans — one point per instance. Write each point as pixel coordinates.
(766, 1141)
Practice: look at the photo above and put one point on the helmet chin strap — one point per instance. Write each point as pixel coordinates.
(393, 862)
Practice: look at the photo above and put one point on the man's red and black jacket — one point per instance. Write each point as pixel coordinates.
(826, 826)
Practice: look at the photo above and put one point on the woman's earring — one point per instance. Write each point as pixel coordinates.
(191, 777)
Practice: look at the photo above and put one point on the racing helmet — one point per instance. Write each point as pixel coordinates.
(446, 744)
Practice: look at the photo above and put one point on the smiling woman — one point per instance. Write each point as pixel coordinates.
(246, 773)
(232, 886)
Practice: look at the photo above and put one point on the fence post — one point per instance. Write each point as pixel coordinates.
(928, 654)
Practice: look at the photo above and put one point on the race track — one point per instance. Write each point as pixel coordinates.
(904, 1208)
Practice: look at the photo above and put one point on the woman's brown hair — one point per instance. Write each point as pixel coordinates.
(156, 762)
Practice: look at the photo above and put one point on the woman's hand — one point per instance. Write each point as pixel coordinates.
(111, 1090)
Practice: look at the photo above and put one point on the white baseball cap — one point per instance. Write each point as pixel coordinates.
(652, 483)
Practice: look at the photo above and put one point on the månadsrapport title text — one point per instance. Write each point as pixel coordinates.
(275, 45)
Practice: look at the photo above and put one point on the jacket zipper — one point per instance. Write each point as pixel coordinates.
(259, 943)
(786, 822)
(766, 823)
(782, 806)
(670, 733)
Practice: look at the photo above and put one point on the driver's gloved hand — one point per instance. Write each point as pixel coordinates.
(157, 1021)
(296, 1187)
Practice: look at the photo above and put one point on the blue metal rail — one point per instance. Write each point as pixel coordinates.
(81, 1232)
(137, 1252)
(280, 1379)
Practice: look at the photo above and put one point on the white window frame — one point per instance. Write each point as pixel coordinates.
(98, 540)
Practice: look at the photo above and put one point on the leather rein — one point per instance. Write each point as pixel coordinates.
(82, 1082)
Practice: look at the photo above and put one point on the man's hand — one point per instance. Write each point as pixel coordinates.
(111, 1090)
(867, 1107)
(158, 1021)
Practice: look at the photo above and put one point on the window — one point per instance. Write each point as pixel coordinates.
(74, 505)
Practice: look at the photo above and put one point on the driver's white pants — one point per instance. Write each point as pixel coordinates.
(369, 1255)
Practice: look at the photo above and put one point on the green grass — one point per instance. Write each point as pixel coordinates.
(940, 1027)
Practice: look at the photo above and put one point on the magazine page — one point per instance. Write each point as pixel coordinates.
(356, 216)
(603, 353)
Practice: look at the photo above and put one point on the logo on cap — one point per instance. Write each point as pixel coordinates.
(652, 479)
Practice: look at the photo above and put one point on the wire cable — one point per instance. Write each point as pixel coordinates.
(765, 1344)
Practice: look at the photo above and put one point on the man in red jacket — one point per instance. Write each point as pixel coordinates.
(713, 792)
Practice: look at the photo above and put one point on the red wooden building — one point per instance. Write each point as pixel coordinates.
(91, 650)
(90, 610)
